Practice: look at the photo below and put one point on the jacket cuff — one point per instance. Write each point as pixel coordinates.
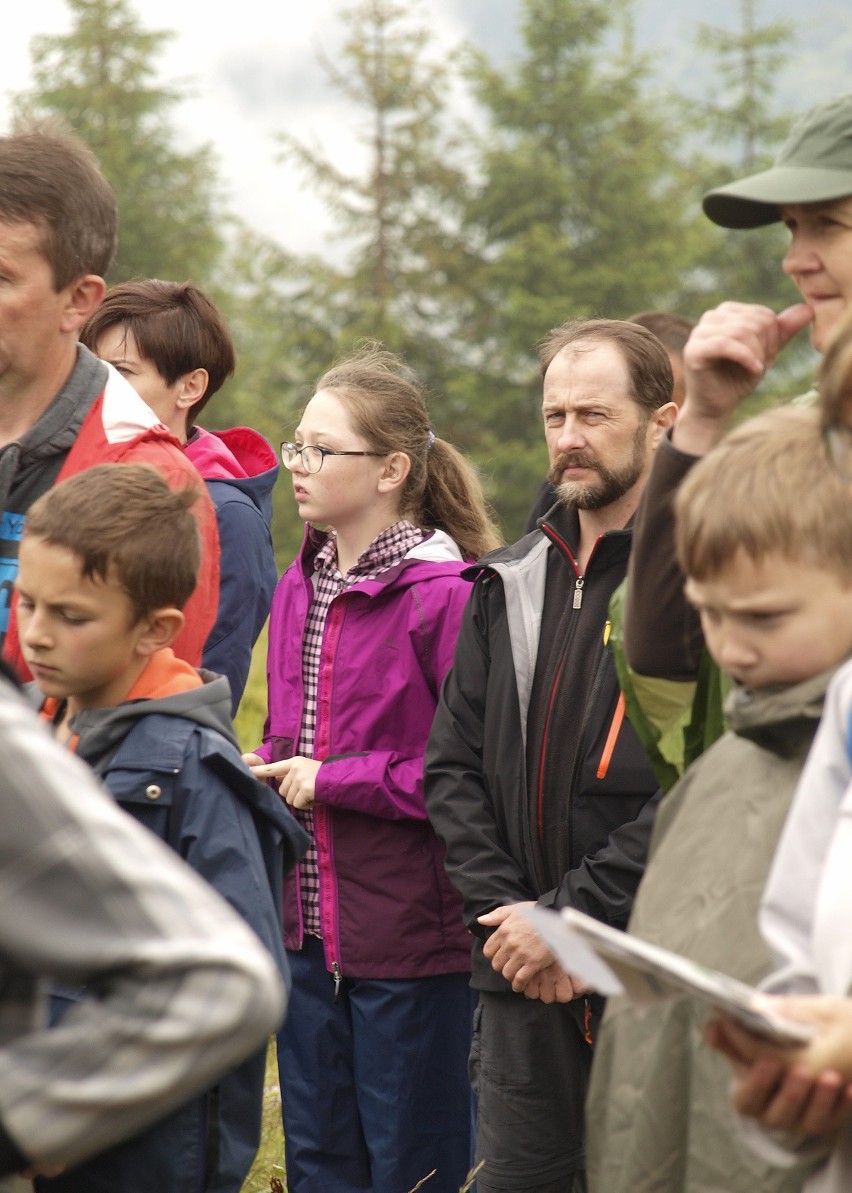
(674, 461)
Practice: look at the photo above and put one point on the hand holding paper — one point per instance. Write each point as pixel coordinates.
(614, 962)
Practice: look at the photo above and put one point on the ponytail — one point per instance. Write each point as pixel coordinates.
(453, 501)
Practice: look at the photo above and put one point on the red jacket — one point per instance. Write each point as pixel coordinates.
(120, 428)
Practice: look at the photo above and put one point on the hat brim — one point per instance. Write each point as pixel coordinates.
(753, 202)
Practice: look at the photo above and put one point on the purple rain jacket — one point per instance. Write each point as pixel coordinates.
(386, 905)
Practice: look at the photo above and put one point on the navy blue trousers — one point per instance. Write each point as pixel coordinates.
(374, 1081)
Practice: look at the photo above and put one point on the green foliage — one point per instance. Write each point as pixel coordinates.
(581, 206)
(251, 714)
(397, 212)
(742, 131)
(741, 123)
(99, 79)
(747, 63)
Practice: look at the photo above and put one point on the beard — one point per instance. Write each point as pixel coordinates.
(610, 483)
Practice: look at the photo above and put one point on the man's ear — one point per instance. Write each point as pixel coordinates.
(160, 627)
(662, 418)
(396, 468)
(191, 388)
(82, 297)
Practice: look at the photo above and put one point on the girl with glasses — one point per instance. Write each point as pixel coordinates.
(373, 1055)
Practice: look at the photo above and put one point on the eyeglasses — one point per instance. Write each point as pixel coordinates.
(838, 444)
(312, 457)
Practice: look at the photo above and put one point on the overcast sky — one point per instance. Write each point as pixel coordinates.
(254, 70)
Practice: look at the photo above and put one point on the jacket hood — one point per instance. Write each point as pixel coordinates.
(438, 549)
(240, 456)
(168, 687)
(781, 719)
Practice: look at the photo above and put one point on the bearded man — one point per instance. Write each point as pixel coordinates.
(535, 780)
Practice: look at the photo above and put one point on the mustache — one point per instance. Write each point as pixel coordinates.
(574, 460)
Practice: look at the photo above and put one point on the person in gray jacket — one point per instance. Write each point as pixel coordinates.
(764, 535)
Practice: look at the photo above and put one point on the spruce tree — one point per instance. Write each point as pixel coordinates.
(100, 78)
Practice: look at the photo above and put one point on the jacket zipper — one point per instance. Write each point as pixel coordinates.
(322, 827)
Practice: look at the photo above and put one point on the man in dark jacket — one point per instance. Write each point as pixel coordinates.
(535, 781)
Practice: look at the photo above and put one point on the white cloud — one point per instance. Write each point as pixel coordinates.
(253, 71)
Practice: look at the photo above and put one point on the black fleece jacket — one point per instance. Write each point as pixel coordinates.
(536, 786)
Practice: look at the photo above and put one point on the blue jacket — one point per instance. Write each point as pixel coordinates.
(239, 468)
(173, 764)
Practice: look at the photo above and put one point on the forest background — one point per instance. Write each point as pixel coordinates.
(473, 195)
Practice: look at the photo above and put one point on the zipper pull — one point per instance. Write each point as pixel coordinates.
(578, 592)
(335, 971)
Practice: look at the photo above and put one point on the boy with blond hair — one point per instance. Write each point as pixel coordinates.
(108, 559)
(764, 536)
(803, 1097)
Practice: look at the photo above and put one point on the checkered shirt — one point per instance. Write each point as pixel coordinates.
(386, 550)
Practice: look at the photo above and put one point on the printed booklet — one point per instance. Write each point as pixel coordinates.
(612, 962)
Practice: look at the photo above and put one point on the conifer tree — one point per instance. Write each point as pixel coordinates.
(100, 78)
(582, 208)
(744, 128)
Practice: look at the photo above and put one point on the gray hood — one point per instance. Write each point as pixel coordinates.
(102, 730)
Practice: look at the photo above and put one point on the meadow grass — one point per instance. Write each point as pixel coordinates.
(268, 1166)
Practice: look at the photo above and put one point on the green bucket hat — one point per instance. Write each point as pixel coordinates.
(815, 165)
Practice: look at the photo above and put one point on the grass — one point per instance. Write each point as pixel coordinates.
(268, 1166)
(252, 711)
(267, 1173)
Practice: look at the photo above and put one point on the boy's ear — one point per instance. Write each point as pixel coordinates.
(192, 387)
(160, 628)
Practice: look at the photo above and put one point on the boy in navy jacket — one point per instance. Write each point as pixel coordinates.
(108, 559)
